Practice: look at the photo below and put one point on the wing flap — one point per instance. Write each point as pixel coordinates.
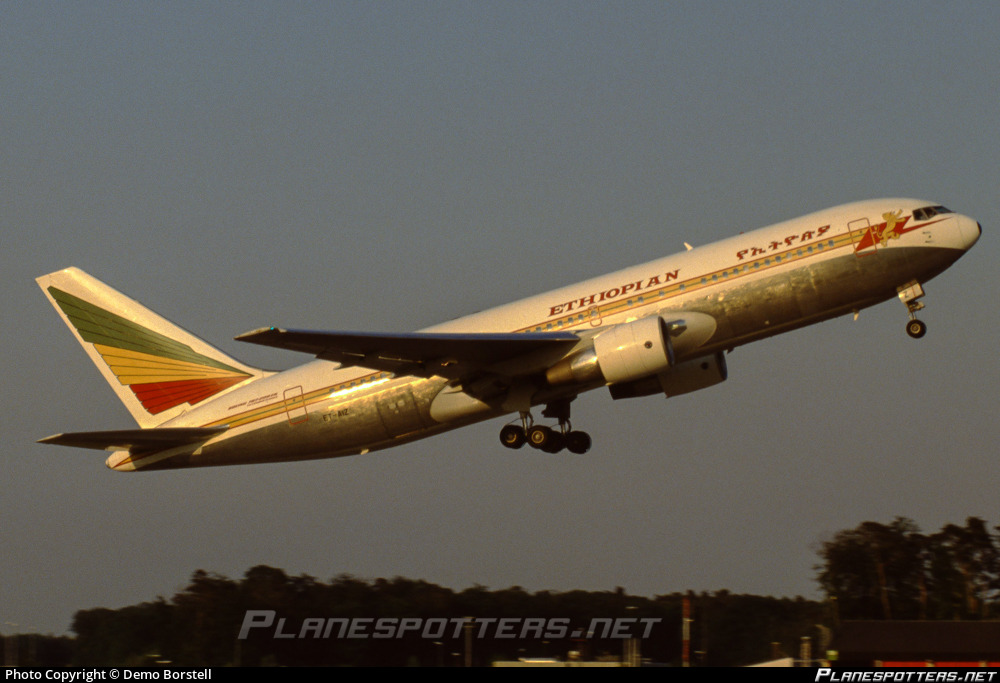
(135, 440)
(416, 353)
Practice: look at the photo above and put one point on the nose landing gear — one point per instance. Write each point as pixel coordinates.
(909, 295)
(916, 328)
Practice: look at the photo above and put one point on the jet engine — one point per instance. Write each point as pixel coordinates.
(624, 352)
(683, 378)
(632, 351)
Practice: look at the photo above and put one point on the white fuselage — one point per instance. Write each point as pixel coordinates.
(751, 286)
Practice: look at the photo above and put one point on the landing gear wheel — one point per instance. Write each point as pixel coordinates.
(916, 328)
(556, 443)
(512, 436)
(540, 437)
(549, 439)
(578, 442)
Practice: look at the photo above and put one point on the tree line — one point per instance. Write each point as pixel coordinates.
(199, 626)
(874, 571)
(894, 571)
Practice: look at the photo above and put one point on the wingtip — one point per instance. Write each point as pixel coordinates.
(249, 336)
(69, 270)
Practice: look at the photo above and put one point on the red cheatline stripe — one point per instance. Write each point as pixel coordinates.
(159, 396)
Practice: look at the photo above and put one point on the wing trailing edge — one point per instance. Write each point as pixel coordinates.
(416, 353)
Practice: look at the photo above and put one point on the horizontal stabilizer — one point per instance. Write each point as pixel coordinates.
(418, 353)
(136, 440)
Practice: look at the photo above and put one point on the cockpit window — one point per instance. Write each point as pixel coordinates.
(928, 212)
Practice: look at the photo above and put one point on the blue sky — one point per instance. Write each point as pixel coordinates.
(387, 166)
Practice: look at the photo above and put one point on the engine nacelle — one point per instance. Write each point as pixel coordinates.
(639, 349)
(683, 378)
(623, 353)
(634, 350)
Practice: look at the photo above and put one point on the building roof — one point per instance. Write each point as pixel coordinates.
(917, 640)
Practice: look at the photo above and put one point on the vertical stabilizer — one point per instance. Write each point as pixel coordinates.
(157, 369)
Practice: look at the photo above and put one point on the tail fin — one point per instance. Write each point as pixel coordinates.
(156, 368)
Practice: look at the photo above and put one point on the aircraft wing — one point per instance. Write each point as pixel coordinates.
(136, 440)
(416, 353)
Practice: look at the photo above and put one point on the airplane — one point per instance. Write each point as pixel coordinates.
(662, 327)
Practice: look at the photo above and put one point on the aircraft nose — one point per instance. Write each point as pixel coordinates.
(971, 231)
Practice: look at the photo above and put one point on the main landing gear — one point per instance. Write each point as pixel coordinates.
(909, 295)
(546, 439)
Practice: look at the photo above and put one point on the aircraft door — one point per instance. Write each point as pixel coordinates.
(295, 405)
(594, 315)
(862, 237)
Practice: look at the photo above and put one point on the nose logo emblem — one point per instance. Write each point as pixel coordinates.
(879, 235)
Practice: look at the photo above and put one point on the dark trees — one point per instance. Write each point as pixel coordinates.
(893, 571)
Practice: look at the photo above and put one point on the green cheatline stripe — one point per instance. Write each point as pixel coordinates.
(98, 326)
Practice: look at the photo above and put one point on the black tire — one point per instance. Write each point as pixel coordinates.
(916, 328)
(578, 442)
(512, 436)
(556, 442)
(539, 436)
